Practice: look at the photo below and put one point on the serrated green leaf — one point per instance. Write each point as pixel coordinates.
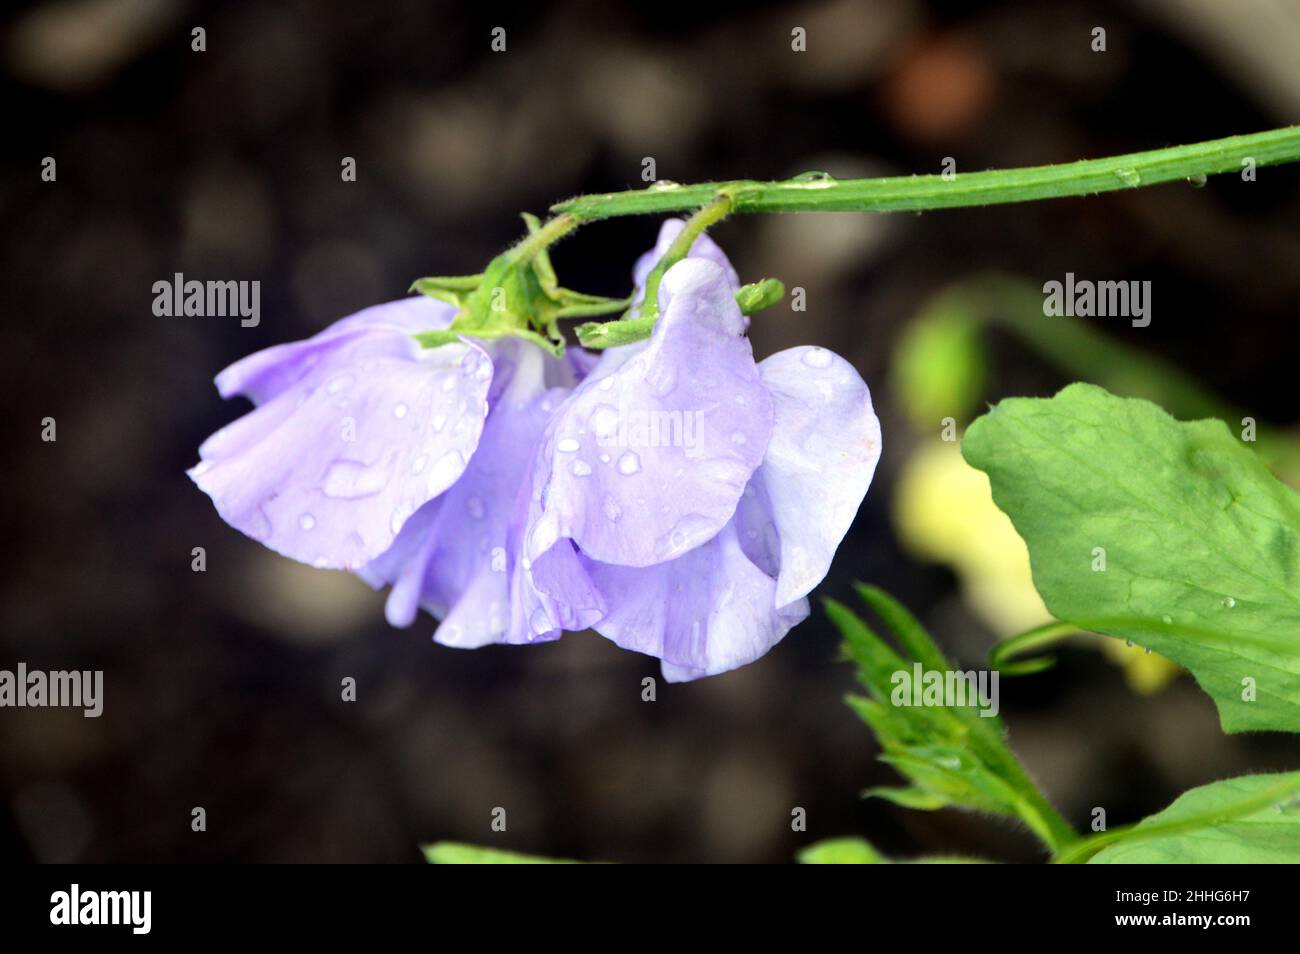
(1254, 819)
(915, 798)
(952, 755)
(1201, 541)
(456, 853)
(904, 625)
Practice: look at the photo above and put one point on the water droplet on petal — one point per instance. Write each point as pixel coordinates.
(738, 438)
(439, 422)
(498, 559)
(399, 411)
(338, 383)
(1130, 177)
(661, 379)
(445, 471)
(567, 445)
(475, 507)
(580, 468)
(418, 464)
(817, 358)
(612, 510)
(606, 383)
(604, 420)
(350, 479)
(539, 622)
(307, 521)
(629, 464)
(448, 383)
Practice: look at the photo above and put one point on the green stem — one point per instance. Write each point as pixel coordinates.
(821, 193)
(713, 213)
(627, 330)
(553, 229)
(1045, 635)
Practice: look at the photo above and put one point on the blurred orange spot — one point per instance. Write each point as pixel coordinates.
(942, 87)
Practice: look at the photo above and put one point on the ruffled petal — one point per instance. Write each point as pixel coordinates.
(648, 460)
(329, 469)
(819, 463)
(264, 374)
(451, 558)
(706, 612)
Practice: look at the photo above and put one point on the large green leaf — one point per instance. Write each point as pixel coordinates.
(1201, 543)
(1254, 819)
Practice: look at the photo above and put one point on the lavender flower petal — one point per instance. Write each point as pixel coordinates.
(356, 429)
(669, 437)
(451, 557)
(706, 612)
(823, 453)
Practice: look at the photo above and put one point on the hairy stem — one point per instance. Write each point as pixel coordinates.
(820, 193)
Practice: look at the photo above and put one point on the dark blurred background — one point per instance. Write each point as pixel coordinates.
(222, 688)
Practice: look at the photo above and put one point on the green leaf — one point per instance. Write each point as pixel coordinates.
(456, 853)
(842, 851)
(856, 851)
(1254, 819)
(1201, 543)
(914, 798)
(952, 755)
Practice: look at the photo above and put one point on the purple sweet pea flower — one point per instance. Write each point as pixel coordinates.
(354, 430)
(684, 500)
(672, 494)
